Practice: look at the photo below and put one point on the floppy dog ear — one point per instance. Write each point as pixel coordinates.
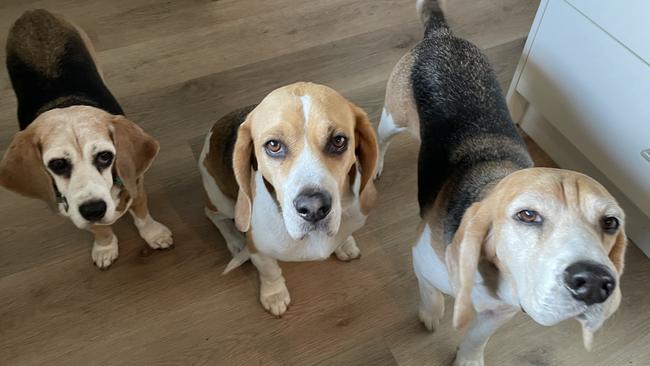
(242, 161)
(367, 151)
(462, 258)
(135, 151)
(22, 169)
(617, 254)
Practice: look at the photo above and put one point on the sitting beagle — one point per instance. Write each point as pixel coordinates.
(295, 172)
(76, 151)
(496, 233)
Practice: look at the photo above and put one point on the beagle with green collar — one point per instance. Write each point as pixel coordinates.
(295, 173)
(76, 151)
(496, 233)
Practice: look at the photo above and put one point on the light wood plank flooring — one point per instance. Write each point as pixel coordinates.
(176, 66)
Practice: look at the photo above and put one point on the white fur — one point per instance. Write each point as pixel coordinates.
(271, 237)
(157, 235)
(104, 255)
(306, 106)
(309, 172)
(528, 283)
(385, 132)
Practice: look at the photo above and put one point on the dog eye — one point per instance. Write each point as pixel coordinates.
(337, 144)
(104, 159)
(529, 217)
(60, 166)
(274, 148)
(609, 224)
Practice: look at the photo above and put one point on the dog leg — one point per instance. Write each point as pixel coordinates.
(274, 294)
(157, 235)
(385, 132)
(348, 250)
(234, 238)
(105, 248)
(432, 305)
(470, 352)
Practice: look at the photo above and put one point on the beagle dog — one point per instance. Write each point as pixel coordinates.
(496, 233)
(76, 151)
(295, 173)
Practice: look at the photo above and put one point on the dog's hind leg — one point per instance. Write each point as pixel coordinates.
(385, 132)
(234, 238)
(471, 349)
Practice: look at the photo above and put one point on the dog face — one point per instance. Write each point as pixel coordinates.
(79, 152)
(557, 239)
(305, 140)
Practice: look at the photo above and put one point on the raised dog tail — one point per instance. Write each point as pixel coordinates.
(432, 16)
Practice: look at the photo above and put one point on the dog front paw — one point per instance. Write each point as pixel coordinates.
(275, 297)
(348, 250)
(427, 318)
(104, 255)
(157, 235)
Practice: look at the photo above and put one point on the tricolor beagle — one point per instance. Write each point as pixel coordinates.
(76, 150)
(295, 173)
(496, 233)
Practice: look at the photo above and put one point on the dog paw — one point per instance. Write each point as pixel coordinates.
(104, 255)
(429, 320)
(157, 235)
(379, 169)
(348, 250)
(275, 298)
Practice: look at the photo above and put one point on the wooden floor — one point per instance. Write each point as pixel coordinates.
(176, 66)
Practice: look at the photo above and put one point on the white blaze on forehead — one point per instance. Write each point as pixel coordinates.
(306, 106)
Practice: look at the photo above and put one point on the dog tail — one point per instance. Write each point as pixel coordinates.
(432, 16)
(237, 260)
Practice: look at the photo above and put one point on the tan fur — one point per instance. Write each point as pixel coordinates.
(22, 170)
(477, 236)
(135, 151)
(280, 115)
(399, 101)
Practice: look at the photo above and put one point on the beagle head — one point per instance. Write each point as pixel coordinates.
(307, 142)
(78, 160)
(554, 242)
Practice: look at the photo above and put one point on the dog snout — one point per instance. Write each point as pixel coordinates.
(589, 282)
(93, 210)
(313, 205)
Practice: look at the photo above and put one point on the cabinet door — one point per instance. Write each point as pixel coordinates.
(595, 92)
(628, 21)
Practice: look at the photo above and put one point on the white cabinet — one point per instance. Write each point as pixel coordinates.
(582, 92)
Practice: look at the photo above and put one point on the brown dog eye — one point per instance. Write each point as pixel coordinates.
(609, 224)
(104, 159)
(337, 144)
(60, 166)
(274, 148)
(529, 217)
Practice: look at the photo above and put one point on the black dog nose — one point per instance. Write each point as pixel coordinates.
(589, 282)
(313, 205)
(93, 210)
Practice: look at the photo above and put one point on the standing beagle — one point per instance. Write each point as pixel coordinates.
(75, 151)
(496, 233)
(295, 173)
